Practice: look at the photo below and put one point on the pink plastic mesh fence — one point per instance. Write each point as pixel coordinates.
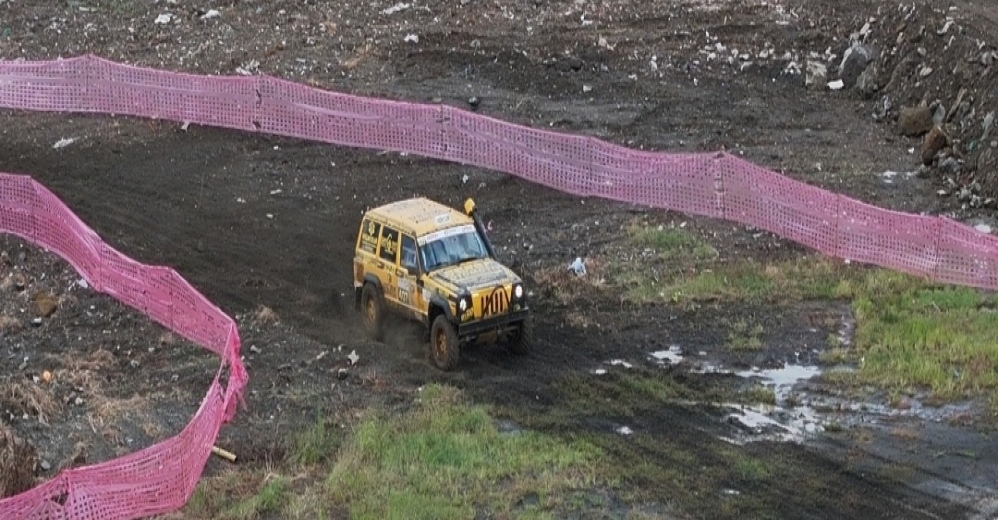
(161, 478)
(718, 185)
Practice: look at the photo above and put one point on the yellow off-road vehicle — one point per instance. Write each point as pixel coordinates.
(424, 261)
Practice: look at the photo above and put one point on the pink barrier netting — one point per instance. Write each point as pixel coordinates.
(717, 185)
(160, 478)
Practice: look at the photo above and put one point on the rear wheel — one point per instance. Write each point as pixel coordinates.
(523, 339)
(444, 345)
(373, 308)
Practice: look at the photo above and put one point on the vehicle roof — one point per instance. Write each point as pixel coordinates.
(420, 215)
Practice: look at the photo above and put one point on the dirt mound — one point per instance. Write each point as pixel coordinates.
(932, 73)
(17, 464)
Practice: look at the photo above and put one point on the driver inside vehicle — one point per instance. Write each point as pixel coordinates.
(409, 254)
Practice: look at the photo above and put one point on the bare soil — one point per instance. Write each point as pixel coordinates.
(263, 226)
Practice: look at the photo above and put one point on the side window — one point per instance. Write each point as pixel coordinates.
(389, 244)
(369, 236)
(408, 253)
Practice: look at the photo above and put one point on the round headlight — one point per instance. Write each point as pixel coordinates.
(518, 291)
(463, 305)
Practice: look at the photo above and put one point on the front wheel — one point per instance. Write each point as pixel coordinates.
(444, 344)
(523, 339)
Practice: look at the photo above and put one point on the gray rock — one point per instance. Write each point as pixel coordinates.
(939, 116)
(962, 111)
(984, 159)
(951, 165)
(866, 83)
(45, 465)
(915, 121)
(815, 75)
(989, 120)
(882, 108)
(854, 62)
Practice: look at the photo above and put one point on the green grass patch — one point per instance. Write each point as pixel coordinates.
(663, 253)
(687, 269)
(316, 445)
(744, 336)
(749, 281)
(443, 458)
(238, 496)
(671, 243)
(759, 394)
(914, 335)
(446, 459)
(911, 334)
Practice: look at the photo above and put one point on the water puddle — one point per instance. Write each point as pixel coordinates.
(783, 421)
(765, 423)
(673, 356)
(782, 380)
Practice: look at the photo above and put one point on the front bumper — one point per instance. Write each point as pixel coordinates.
(473, 328)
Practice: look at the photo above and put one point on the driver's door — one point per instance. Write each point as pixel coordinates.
(410, 294)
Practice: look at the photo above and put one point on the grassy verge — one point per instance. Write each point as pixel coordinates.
(239, 496)
(446, 459)
(442, 459)
(675, 265)
(911, 335)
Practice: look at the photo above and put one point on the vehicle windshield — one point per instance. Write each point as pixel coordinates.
(450, 247)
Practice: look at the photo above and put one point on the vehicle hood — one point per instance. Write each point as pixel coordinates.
(475, 274)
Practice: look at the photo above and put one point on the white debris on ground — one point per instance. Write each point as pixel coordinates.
(889, 176)
(578, 266)
(396, 8)
(624, 430)
(673, 355)
(62, 143)
(762, 426)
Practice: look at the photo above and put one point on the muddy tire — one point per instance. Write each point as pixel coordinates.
(523, 339)
(444, 346)
(372, 307)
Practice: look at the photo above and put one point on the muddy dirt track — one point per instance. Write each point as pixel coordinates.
(257, 221)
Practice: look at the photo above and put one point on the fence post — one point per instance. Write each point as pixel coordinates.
(836, 230)
(938, 232)
(719, 199)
